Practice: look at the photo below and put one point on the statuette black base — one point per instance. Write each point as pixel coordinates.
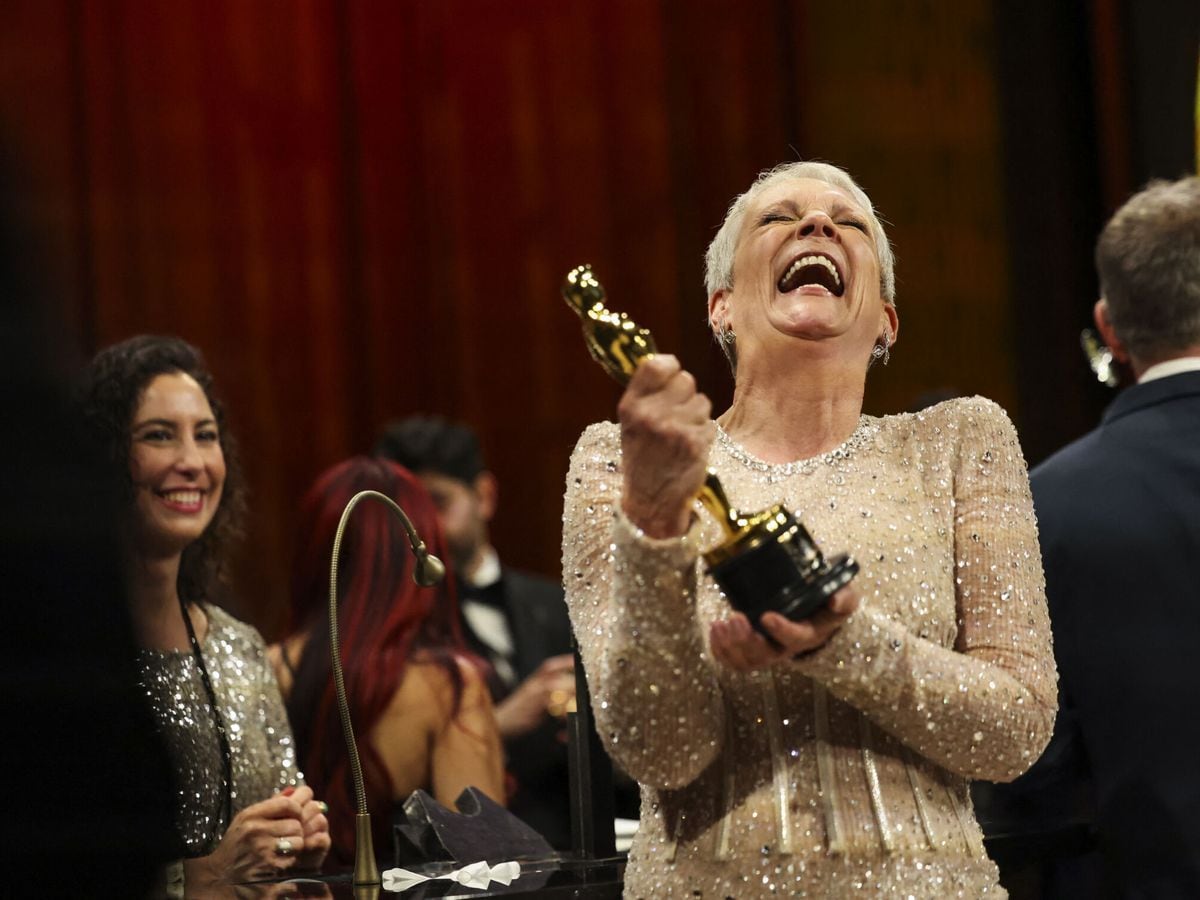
(785, 573)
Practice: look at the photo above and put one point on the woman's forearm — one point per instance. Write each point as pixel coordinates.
(985, 707)
(982, 714)
(632, 605)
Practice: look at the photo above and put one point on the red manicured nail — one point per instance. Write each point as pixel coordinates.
(288, 791)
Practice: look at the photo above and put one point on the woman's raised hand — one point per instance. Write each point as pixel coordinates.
(737, 645)
(666, 433)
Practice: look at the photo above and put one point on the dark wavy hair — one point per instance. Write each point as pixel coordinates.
(111, 389)
(385, 620)
(432, 444)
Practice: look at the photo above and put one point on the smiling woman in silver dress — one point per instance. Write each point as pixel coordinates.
(242, 809)
(834, 763)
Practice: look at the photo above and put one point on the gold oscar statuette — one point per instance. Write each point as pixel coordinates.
(766, 560)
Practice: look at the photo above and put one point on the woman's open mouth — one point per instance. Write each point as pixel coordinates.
(185, 501)
(812, 269)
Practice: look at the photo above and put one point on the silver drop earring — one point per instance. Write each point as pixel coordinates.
(881, 352)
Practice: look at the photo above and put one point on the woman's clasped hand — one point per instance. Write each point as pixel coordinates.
(283, 832)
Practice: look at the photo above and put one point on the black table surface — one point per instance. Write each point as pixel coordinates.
(590, 879)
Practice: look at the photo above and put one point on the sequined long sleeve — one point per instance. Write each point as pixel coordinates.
(985, 707)
(657, 703)
(844, 773)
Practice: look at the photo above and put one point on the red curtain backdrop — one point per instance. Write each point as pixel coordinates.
(364, 210)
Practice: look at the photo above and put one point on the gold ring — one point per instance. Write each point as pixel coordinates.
(324, 806)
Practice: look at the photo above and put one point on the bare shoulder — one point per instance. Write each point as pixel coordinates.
(275, 658)
(475, 687)
(283, 657)
(429, 685)
(442, 682)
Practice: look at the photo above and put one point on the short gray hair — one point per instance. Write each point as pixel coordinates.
(718, 260)
(1148, 258)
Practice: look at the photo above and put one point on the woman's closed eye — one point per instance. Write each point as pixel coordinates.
(773, 217)
(208, 436)
(854, 223)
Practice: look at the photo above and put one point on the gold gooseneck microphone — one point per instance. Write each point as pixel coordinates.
(767, 560)
(428, 572)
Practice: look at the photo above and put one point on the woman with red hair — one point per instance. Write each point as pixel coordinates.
(419, 703)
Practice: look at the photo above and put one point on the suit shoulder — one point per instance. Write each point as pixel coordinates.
(1067, 462)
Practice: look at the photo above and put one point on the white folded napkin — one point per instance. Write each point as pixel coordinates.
(476, 875)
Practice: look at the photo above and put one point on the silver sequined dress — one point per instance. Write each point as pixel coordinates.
(844, 773)
(260, 739)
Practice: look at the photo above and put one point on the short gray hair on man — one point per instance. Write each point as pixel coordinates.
(1148, 257)
(718, 260)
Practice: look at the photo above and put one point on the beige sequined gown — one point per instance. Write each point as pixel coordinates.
(845, 773)
(260, 739)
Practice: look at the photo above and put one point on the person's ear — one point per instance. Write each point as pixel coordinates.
(1100, 313)
(890, 323)
(719, 312)
(487, 492)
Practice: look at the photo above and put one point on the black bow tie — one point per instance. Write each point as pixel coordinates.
(489, 595)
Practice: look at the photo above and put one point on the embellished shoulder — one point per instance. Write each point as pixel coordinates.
(955, 414)
(986, 436)
(600, 438)
(221, 621)
(957, 430)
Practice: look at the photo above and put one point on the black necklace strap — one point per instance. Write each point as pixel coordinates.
(218, 719)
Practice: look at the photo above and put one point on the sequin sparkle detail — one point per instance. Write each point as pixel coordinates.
(865, 746)
(862, 435)
(260, 739)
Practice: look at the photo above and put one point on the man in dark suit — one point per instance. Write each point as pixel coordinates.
(515, 620)
(1119, 517)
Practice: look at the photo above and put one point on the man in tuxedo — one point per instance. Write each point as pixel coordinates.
(1119, 517)
(515, 620)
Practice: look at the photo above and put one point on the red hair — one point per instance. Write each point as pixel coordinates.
(384, 620)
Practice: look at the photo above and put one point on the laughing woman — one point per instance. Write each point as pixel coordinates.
(835, 761)
(242, 810)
